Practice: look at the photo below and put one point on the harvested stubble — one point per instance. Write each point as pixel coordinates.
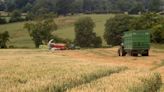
(128, 81)
(52, 76)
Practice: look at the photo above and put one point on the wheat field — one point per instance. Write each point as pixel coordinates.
(37, 70)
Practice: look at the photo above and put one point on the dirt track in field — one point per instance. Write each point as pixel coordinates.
(153, 62)
(110, 56)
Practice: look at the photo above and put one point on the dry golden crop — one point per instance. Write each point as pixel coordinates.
(52, 77)
(33, 72)
(128, 81)
(42, 71)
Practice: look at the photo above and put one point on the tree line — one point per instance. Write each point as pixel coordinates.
(14, 16)
(114, 29)
(64, 7)
(41, 31)
(152, 22)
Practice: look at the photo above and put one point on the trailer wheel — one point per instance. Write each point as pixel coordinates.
(121, 52)
(133, 53)
(124, 53)
(146, 53)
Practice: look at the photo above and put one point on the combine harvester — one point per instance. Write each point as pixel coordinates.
(135, 43)
(56, 46)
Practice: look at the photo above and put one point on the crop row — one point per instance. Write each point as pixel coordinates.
(127, 81)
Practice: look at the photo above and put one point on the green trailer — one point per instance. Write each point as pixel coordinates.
(135, 42)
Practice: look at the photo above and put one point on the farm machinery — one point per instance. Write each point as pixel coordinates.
(61, 46)
(56, 46)
(134, 43)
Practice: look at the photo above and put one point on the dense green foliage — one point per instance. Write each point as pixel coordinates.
(146, 21)
(41, 32)
(3, 21)
(16, 16)
(152, 22)
(21, 39)
(158, 33)
(4, 38)
(84, 35)
(115, 27)
(75, 6)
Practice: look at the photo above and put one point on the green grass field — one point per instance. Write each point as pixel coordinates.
(20, 37)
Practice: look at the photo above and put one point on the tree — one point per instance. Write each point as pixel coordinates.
(4, 38)
(154, 5)
(27, 8)
(16, 16)
(115, 27)
(136, 8)
(10, 5)
(20, 3)
(97, 42)
(76, 7)
(145, 21)
(64, 6)
(30, 16)
(158, 33)
(84, 35)
(3, 21)
(41, 32)
(2, 6)
(42, 7)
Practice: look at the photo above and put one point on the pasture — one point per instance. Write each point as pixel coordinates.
(89, 70)
(20, 38)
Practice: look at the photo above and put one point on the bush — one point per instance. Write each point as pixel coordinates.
(3, 21)
(84, 35)
(158, 33)
(30, 16)
(4, 38)
(16, 20)
(16, 16)
(115, 27)
(97, 42)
